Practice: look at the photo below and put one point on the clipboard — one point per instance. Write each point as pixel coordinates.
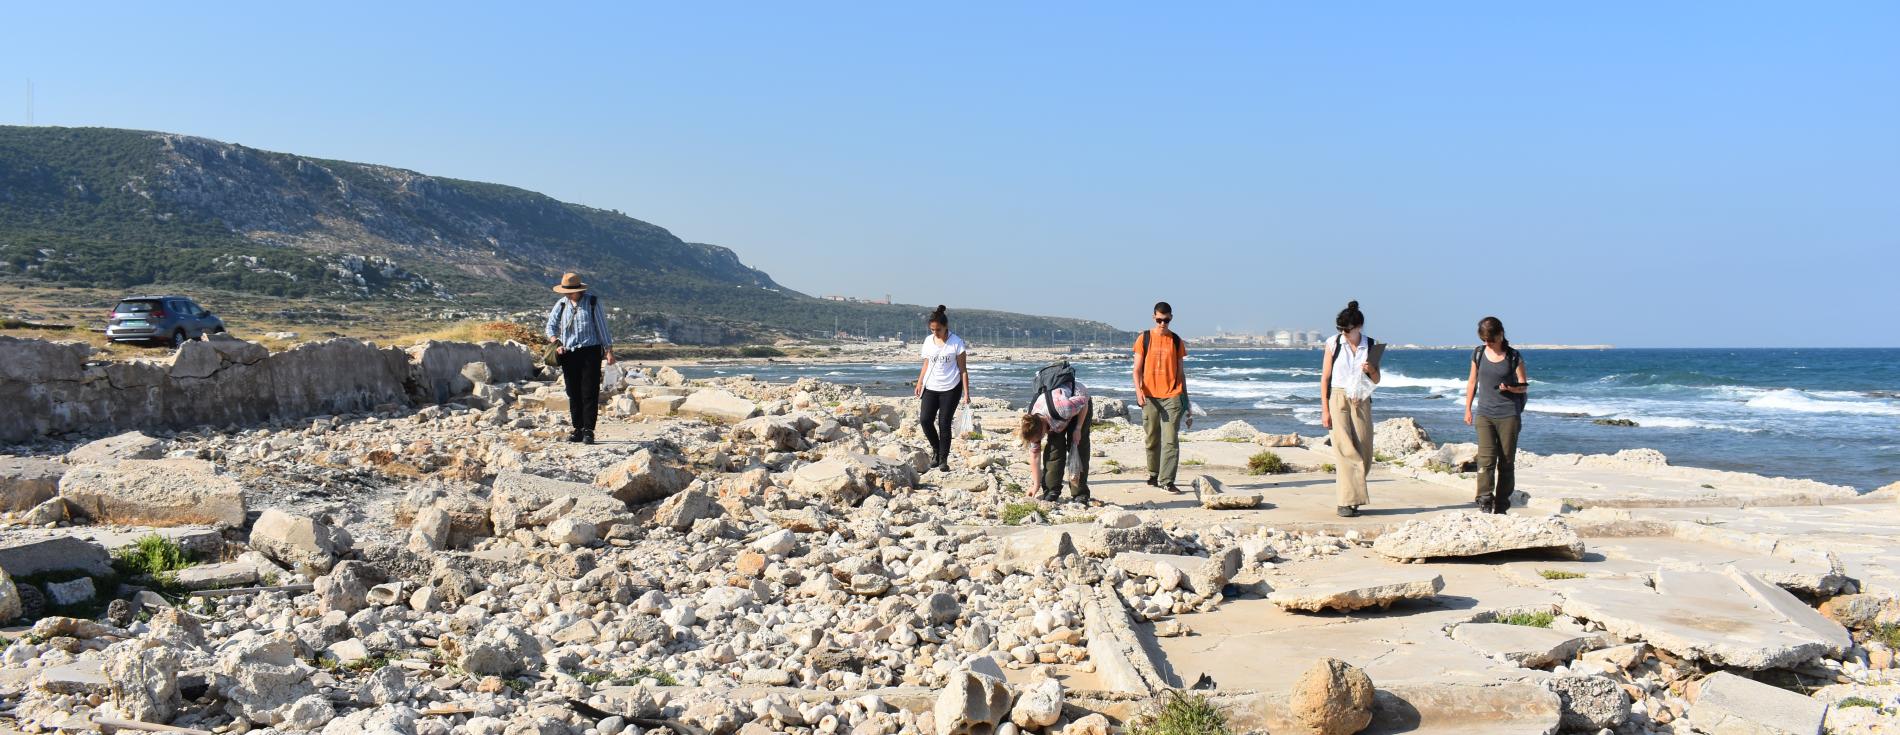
(1374, 354)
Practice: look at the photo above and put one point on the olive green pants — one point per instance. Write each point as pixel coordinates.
(1497, 459)
(1056, 458)
(1161, 421)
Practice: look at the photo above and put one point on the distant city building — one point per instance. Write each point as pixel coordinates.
(855, 300)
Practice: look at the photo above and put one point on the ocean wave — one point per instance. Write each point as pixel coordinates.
(1789, 399)
(1675, 422)
(1232, 371)
(1435, 385)
(1243, 388)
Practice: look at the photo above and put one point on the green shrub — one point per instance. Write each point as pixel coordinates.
(1329, 467)
(1888, 633)
(150, 556)
(1856, 702)
(664, 678)
(1378, 456)
(1442, 468)
(1181, 713)
(1266, 463)
(1236, 440)
(974, 435)
(1541, 619)
(1555, 574)
(1014, 513)
(1194, 462)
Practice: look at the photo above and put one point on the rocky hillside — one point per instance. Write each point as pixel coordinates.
(127, 209)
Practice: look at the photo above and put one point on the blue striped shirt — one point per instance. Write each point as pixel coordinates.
(579, 325)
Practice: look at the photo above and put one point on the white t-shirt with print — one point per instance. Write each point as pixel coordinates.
(943, 373)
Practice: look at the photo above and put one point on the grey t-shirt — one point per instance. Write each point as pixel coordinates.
(1491, 401)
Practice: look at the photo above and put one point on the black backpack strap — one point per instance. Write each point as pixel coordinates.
(1476, 352)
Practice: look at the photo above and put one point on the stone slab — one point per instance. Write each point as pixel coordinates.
(1524, 645)
(1727, 704)
(27, 481)
(1476, 534)
(1357, 592)
(1420, 709)
(25, 556)
(1706, 616)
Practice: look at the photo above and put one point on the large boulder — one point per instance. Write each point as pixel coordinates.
(466, 513)
(530, 501)
(643, 478)
(129, 445)
(1590, 703)
(777, 433)
(29, 555)
(718, 406)
(1039, 706)
(142, 677)
(682, 510)
(496, 650)
(346, 587)
(1333, 698)
(835, 480)
(26, 482)
(1400, 436)
(971, 704)
(154, 492)
(305, 544)
(1472, 534)
(261, 678)
(10, 606)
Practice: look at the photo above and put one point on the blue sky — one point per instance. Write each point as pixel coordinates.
(1644, 174)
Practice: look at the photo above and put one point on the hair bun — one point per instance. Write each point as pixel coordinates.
(1352, 304)
(940, 308)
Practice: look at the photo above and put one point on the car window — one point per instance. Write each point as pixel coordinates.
(136, 306)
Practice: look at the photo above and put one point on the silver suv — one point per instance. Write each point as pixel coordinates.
(166, 319)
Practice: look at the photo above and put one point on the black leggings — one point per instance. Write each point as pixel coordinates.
(580, 371)
(939, 409)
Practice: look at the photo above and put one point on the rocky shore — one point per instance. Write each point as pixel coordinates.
(742, 557)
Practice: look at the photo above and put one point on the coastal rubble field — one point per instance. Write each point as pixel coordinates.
(738, 556)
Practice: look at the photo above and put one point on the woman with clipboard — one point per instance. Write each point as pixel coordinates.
(1498, 385)
(1347, 377)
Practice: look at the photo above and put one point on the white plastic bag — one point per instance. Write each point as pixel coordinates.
(965, 425)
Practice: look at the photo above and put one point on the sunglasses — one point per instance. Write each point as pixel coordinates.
(1163, 319)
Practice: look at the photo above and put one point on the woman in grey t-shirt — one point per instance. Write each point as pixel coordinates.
(1499, 385)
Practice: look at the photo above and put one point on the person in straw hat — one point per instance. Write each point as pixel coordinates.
(577, 326)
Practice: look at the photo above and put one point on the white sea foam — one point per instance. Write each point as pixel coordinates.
(1435, 385)
(1242, 388)
(1789, 399)
(1230, 372)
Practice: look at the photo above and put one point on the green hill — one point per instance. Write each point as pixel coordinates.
(125, 209)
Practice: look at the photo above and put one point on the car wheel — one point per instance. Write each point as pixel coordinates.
(178, 338)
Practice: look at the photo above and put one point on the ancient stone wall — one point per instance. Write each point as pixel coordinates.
(51, 388)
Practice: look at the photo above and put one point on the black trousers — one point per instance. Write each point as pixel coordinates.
(580, 370)
(939, 409)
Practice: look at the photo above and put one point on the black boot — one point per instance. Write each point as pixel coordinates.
(587, 437)
(1486, 504)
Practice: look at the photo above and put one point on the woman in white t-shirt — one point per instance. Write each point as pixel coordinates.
(1347, 376)
(941, 384)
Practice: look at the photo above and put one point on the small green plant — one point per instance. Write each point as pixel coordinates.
(1540, 619)
(1181, 713)
(1080, 518)
(1707, 486)
(1015, 488)
(1113, 467)
(1236, 440)
(1888, 633)
(1378, 456)
(518, 685)
(1856, 702)
(1555, 574)
(150, 556)
(1329, 467)
(635, 676)
(974, 435)
(1442, 468)
(1194, 462)
(1267, 463)
(591, 678)
(1014, 513)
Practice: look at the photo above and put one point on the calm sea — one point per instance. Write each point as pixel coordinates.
(1827, 414)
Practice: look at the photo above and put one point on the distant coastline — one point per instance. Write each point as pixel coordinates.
(1224, 348)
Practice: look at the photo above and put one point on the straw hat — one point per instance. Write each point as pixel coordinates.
(570, 283)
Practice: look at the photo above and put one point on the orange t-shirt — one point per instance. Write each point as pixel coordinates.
(1161, 375)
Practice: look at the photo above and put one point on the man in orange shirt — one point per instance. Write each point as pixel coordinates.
(1161, 392)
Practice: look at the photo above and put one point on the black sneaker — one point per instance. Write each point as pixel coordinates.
(1486, 504)
(587, 437)
(574, 436)
(1348, 511)
(1152, 482)
(1173, 489)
